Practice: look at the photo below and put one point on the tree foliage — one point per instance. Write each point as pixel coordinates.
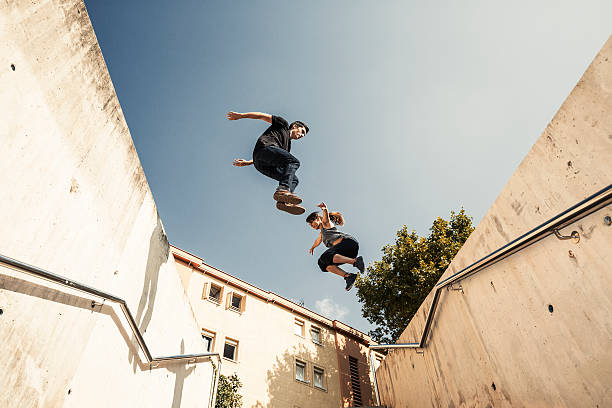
(228, 392)
(393, 288)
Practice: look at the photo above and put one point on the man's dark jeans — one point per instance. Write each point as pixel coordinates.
(278, 164)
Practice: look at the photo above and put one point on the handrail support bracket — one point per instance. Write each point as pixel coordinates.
(459, 288)
(575, 236)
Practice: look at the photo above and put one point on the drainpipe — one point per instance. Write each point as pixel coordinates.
(373, 372)
(215, 383)
(338, 359)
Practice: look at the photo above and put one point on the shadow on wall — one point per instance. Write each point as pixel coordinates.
(28, 288)
(355, 386)
(36, 290)
(181, 372)
(283, 388)
(159, 249)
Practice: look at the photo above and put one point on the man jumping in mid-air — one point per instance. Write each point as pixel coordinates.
(271, 157)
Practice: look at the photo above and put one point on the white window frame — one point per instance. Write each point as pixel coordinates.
(314, 376)
(233, 343)
(241, 299)
(304, 365)
(212, 336)
(317, 330)
(301, 324)
(212, 299)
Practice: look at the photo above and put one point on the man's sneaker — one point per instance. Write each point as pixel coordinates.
(359, 264)
(350, 280)
(286, 196)
(290, 208)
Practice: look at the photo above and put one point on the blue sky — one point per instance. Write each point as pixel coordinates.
(415, 109)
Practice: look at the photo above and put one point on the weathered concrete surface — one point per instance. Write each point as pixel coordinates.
(497, 344)
(76, 202)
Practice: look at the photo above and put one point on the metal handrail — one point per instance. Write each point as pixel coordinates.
(576, 212)
(152, 361)
(392, 346)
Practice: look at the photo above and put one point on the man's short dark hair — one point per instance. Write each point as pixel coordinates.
(299, 123)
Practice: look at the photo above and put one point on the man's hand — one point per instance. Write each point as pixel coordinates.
(322, 206)
(242, 162)
(311, 250)
(234, 115)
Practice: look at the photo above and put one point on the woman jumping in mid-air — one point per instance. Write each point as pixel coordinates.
(343, 248)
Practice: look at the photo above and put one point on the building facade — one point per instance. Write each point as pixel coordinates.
(285, 355)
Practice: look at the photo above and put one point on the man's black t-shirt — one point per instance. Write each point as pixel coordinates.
(276, 135)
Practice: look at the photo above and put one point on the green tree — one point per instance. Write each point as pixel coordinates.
(393, 288)
(227, 392)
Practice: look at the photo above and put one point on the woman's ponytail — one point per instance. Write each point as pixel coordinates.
(336, 218)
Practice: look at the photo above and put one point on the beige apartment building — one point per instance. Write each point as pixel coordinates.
(286, 355)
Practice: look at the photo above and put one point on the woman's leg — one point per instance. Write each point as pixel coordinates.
(349, 278)
(341, 259)
(346, 252)
(338, 271)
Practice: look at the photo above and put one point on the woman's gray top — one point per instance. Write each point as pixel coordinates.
(328, 236)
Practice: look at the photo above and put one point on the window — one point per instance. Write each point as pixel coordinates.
(319, 373)
(209, 340)
(215, 293)
(315, 334)
(236, 302)
(298, 327)
(230, 349)
(355, 381)
(300, 370)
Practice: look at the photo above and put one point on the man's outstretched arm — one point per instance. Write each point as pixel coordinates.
(250, 115)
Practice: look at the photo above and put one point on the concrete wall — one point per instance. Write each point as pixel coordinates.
(76, 202)
(497, 344)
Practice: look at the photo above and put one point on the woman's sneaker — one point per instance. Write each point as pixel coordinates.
(359, 264)
(350, 280)
(290, 208)
(286, 196)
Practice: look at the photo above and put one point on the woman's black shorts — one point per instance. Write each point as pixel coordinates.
(347, 247)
